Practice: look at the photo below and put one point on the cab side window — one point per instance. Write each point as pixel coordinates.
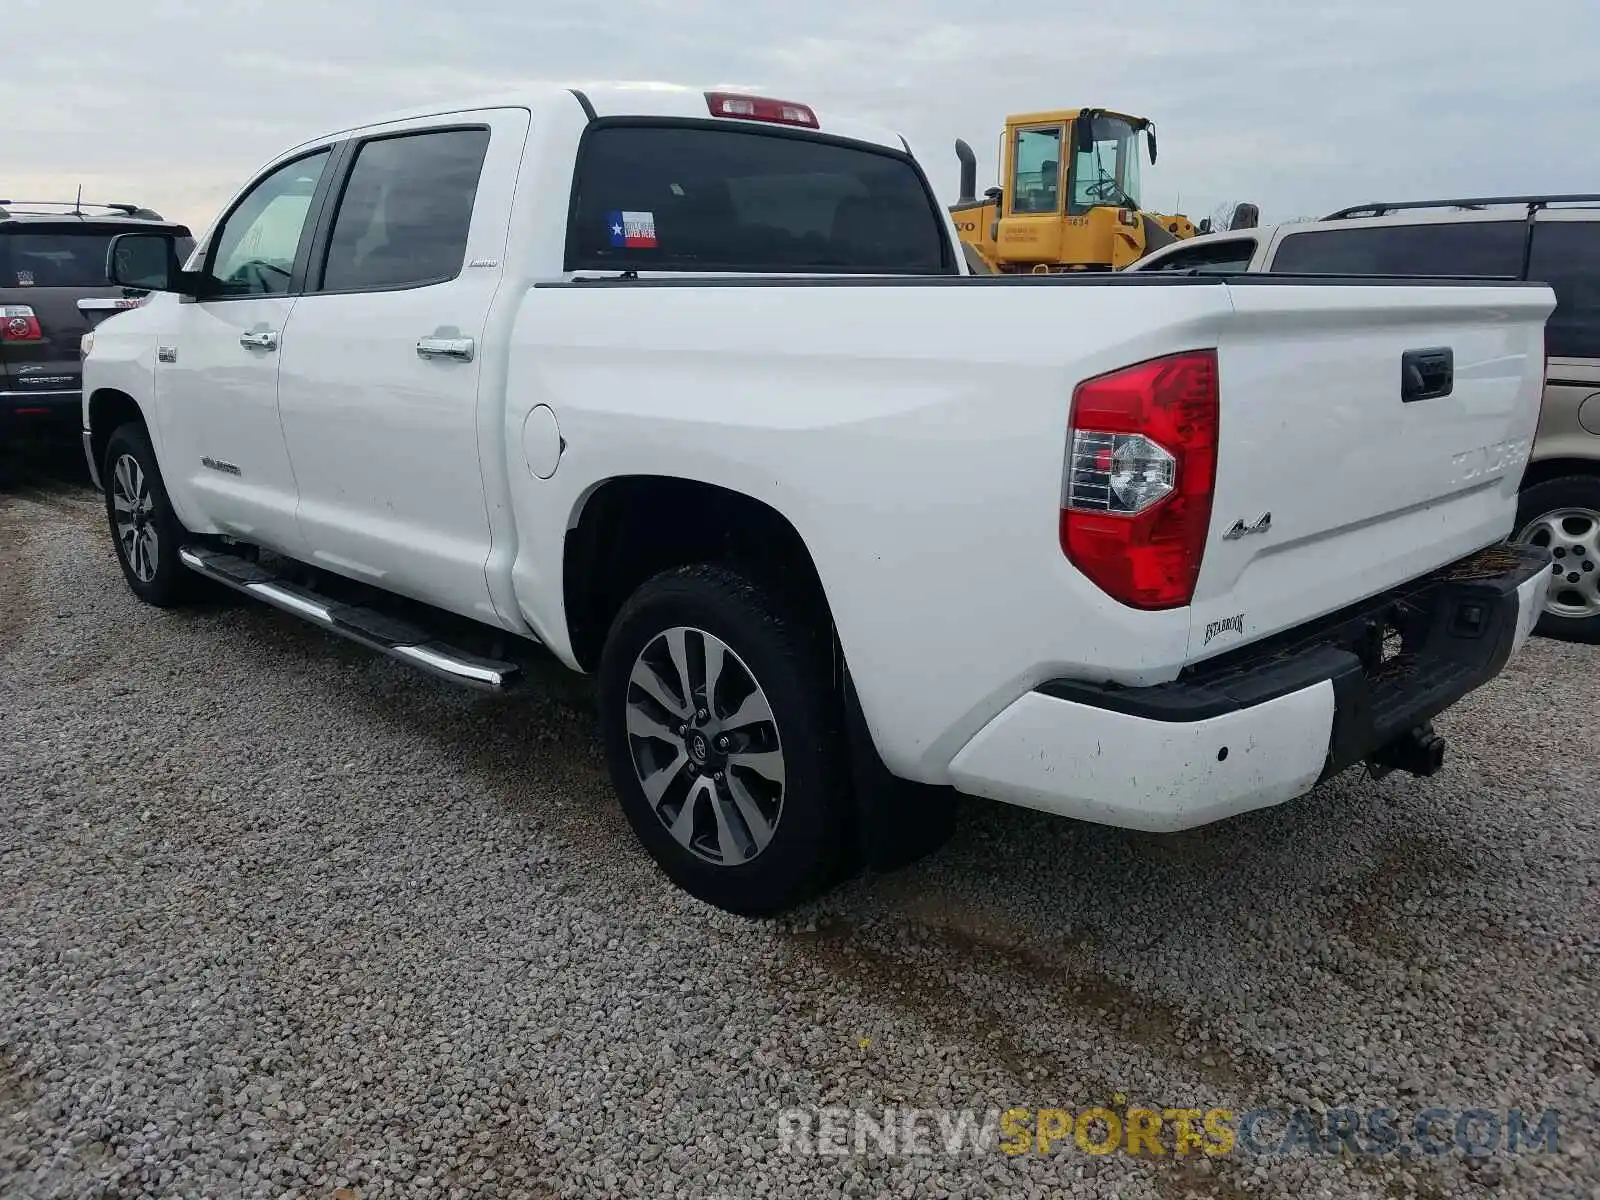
(254, 250)
(406, 211)
(1566, 255)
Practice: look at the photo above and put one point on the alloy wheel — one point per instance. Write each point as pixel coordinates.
(705, 746)
(133, 512)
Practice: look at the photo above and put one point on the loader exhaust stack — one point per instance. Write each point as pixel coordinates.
(969, 171)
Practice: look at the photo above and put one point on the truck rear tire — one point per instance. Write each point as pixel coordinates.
(1563, 515)
(725, 739)
(144, 529)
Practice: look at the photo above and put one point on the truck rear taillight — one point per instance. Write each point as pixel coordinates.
(1141, 466)
(760, 108)
(19, 324)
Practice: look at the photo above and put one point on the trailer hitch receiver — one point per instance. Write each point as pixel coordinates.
(1419, 751)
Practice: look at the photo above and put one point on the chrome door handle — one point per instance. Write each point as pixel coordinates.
(264, 340)
(458, 348)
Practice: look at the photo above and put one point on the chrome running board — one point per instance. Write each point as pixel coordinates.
(377, 631)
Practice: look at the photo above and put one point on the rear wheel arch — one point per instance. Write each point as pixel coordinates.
(631, 528)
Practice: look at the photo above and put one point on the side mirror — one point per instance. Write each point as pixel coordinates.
(1083, 132)
(1151, 134)
(146, 261)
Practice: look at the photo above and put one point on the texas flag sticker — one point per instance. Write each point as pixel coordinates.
(637, 229)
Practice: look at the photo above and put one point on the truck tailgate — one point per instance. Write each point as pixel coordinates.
(1334, 480)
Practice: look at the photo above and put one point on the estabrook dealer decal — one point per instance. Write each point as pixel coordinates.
(1233, 624)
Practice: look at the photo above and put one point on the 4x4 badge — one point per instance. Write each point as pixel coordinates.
(1240, 529)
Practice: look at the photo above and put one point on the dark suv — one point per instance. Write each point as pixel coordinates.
(53, 290)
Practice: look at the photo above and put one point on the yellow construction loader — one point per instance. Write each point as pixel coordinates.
(1068, 198)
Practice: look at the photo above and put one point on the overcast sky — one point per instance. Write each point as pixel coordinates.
(1300, 107)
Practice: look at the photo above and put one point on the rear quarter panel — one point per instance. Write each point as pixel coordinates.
(913, 433)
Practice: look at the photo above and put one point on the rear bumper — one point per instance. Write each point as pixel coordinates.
(22, 410)
(1262, 725)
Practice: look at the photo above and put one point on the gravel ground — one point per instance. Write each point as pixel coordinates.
(279, 918)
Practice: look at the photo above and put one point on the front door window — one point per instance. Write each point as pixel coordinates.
(255, 249)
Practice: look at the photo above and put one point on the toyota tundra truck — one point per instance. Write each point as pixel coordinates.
(694, 391)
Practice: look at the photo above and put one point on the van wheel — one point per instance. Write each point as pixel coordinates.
(144, 529)
(725, 739)
(1563, 516)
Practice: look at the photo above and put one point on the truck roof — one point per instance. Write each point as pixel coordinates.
(637, 99)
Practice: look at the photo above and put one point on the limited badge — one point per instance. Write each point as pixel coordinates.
(636, 230)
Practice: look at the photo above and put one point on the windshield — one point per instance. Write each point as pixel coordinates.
(1109, 173)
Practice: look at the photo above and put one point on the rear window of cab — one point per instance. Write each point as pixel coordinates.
(668, 197)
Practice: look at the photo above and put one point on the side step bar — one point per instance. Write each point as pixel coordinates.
(388, 635)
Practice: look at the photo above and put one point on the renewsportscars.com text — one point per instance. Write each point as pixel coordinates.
(1148, 1131)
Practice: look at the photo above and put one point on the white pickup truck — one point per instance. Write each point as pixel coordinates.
(693, 390)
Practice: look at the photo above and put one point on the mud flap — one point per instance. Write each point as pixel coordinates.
(897, 822)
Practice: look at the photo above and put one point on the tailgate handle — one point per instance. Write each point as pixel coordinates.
(1427, 374)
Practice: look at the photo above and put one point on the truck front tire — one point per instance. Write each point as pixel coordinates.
(725, 739)
(144, 529)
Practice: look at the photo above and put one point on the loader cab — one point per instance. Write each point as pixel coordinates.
(1069, 195)
(1069, 167)
(1068, 198)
